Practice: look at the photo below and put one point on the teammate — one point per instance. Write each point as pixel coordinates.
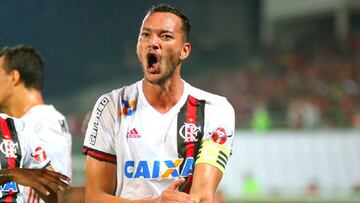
(20, 151)
(144, 139)
(21, 80)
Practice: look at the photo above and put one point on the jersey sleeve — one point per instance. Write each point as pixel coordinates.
(216, 146)
(99, 138)
(50, 140)
(33, 152)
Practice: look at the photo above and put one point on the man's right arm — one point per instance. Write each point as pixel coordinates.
(100, 181)
(101, 185)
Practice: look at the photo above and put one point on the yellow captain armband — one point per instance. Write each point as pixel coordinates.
(214, 154)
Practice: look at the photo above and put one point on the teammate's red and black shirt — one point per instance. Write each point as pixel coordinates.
(17, 150)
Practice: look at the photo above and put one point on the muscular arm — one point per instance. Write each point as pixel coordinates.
(40, 179)
(101, 185)
(100, 181)
(205, 181)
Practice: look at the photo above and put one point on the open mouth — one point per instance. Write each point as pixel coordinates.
(152, 61)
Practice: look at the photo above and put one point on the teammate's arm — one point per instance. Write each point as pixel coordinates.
(101, 185)
(53, 196)
(42, 180)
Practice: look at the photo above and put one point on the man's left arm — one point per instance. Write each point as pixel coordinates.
(205, 181)
(215, 150)
(209, 168)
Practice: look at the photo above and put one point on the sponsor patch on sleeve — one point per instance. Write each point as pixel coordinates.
(39, 154)
(219, 135)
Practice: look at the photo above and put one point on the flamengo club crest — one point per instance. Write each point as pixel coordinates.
(8, 148)
(189, 131)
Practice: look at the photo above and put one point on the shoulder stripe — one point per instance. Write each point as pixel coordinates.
(99, 155)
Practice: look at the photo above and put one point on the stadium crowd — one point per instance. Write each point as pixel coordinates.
(310, 83)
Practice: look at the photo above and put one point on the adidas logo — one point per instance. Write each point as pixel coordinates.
(133, 133)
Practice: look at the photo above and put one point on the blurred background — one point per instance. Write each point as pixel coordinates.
(290, 68)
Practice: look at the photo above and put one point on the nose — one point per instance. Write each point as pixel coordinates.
(154, 42)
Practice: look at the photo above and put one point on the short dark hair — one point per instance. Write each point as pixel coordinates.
(164, 8)
(28, 62)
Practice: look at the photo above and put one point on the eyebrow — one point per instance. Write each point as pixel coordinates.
(162, 30)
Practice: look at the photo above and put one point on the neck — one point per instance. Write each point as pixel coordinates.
(164, 96)
(22, 101)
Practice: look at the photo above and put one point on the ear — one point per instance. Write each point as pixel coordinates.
(185, 51)
(15, 77)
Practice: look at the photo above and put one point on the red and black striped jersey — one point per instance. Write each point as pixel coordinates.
(151, 149)
(17, 150)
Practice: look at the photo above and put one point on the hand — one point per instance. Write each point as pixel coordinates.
(172, 195)
(40, 179)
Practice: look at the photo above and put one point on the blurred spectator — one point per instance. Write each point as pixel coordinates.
(356, 189)
(312, 189)
(251, 186)
(74, 124)
(261, 119)
(356, 120)
(302, 114)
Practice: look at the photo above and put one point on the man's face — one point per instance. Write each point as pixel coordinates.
(161, 46)
(5, 82)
